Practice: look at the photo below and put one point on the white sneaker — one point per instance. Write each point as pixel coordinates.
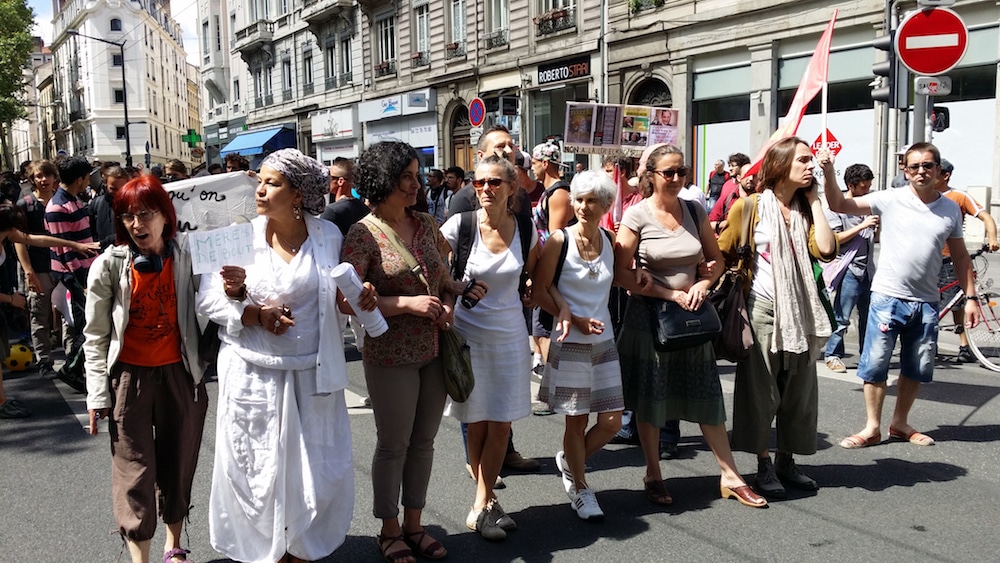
(834, 364)
(585, 504)
(567, 478)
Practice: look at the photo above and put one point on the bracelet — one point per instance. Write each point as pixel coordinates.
(260, 321)
(971, 298)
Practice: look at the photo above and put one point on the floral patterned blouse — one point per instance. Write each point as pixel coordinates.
(410, 339)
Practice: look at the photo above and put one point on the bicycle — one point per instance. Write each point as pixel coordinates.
(984, 339)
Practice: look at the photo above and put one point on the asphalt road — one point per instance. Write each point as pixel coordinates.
(892, 502)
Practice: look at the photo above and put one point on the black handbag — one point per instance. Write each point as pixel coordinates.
(677, 328)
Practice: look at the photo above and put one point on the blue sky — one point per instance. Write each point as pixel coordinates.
(184, 11)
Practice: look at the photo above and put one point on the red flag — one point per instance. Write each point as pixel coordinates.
(812, 83)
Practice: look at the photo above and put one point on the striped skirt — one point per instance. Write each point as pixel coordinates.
(581, 378)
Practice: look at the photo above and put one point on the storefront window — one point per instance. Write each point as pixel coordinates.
(548, 110)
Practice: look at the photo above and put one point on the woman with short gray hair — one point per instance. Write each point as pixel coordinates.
(582, 374)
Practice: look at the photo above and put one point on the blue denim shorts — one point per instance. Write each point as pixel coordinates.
(915, 323)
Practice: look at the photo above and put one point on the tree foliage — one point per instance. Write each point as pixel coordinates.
(16, 45)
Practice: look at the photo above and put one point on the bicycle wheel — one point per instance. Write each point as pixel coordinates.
(984, 339)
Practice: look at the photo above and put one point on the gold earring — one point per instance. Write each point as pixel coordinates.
(297, 212)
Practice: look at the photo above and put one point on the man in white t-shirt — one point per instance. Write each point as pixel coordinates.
(917, 222)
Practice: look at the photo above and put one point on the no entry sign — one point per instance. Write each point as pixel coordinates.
(931, 42)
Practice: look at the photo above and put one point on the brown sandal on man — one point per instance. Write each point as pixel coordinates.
(657, 493)
(433, 550)
(397, 556)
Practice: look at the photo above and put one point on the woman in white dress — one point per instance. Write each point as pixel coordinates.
(582, 375)
(497, 336)
(283, 479)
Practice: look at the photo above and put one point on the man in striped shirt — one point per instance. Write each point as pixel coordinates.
(67, 217)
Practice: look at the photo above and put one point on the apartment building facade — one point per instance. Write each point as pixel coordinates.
(90, 94)
(343, 74)
(731, 70)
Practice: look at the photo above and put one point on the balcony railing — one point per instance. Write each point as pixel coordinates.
(258, 103)
(498, 38)
(286, 95)
(268, 99)
(419, 59)
(555, 20)
(345, 79)
(454, 50)
(385, 68)
(307, 89)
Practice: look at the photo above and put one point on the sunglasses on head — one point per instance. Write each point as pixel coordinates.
(479, 183)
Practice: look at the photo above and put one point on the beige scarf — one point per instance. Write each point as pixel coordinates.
(800, 321)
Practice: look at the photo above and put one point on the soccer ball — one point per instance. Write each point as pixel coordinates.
(20, 358)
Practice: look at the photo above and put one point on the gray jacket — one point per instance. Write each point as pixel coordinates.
(109, 294)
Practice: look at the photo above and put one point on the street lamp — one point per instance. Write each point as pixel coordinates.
(128, 139)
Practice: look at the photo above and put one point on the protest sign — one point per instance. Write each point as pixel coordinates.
(224, 246)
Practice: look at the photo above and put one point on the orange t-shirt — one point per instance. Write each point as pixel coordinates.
(152, 337)
(968, 205)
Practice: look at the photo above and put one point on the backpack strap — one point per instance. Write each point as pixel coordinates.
(563, 250)
(467, 222)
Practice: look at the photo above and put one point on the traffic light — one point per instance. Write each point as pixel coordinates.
(886, 93)
(940, 119)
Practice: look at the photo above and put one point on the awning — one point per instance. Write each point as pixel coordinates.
(258, 142)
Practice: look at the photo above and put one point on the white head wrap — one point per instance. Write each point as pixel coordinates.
(306, 174)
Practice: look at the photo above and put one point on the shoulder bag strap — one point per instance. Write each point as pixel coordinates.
(749, 209)
(398, 244)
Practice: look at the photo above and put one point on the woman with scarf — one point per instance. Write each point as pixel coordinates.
(283, 479)
(790, 322)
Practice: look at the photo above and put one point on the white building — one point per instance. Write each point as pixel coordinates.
(90, 92)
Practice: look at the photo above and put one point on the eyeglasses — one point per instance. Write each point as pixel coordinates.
(923, 165)
(671, 172)
(143, 216)
(480, 183)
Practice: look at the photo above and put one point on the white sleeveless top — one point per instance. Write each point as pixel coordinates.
(586, 287)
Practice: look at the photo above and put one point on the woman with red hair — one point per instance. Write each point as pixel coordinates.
(143, 369)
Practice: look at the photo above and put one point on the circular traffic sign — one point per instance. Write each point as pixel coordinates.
(931, 42)
(477, 112)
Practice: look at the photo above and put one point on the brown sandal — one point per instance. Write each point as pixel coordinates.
(385, 542)
(433, 550)
(657, 493)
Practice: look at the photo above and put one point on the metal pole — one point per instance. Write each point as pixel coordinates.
(919, 118)
(128, 138)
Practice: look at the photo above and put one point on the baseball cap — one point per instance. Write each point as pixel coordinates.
(522, 160)
(547, 151)
(947, 166)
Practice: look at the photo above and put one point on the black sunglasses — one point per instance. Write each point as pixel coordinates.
(671, 172)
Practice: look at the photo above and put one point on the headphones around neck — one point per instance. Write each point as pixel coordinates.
(150, 264)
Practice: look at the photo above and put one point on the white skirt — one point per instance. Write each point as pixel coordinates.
(283, 480)
(503, 383)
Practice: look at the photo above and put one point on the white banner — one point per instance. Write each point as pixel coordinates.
(209, 202)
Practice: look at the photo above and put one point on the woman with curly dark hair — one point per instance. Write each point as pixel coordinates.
(402, 367)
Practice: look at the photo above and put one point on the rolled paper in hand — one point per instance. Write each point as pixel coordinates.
(350, 285)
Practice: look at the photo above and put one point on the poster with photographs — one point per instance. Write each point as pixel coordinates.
(663, 127)
(635, 126)
(617, 130)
